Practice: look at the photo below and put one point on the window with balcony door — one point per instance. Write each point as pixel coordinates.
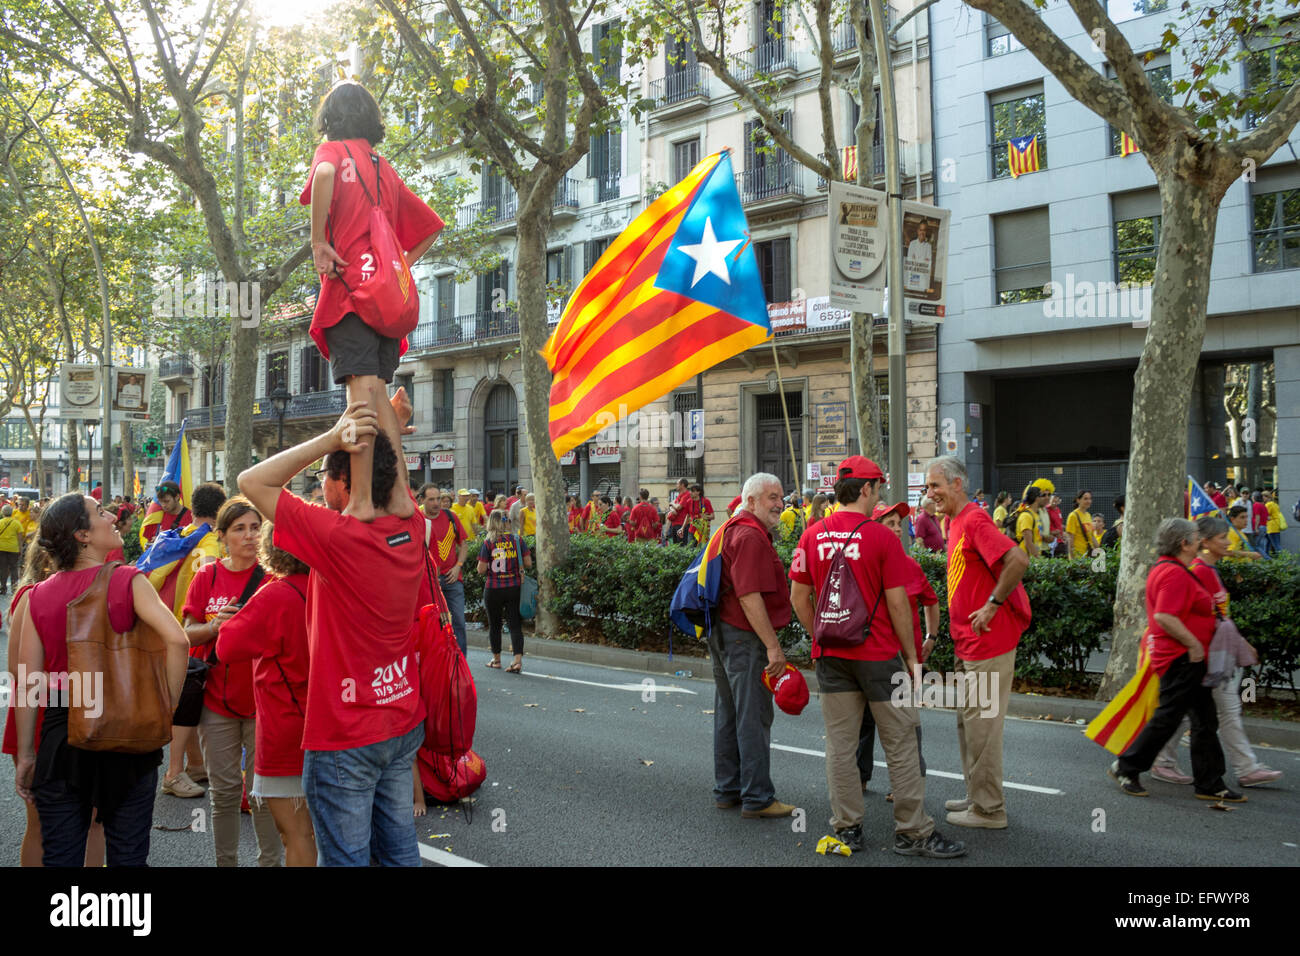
(1012, 116)
(444, 399)
(605, 163)
(769, 170)
(277, 372)
(773, 257)
(313, 371)
(607, 51)
(214, 385)
(686, 155)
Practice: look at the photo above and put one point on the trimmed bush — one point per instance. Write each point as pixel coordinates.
(624, 591)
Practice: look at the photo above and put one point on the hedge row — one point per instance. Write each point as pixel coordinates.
(623, 590)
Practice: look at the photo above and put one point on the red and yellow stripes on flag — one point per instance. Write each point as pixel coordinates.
(1127, 146)
(1116, 727)
(849, 163)
(622, 342)
(956, 565)
(1021, 160)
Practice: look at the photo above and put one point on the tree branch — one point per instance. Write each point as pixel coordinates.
(1269, 136)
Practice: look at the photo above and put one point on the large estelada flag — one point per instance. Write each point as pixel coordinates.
(1022, 155)
(1119, 724)
(675, 294)
(699, 589)
(177, 470)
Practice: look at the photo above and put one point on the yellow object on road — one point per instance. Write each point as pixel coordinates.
(828, 845)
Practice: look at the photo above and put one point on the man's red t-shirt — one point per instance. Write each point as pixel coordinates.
(750, 564)
(576, 520)
(642, 521)
(349, 220)
(1260, 511)
(270, 632)
(975, 551)
(689, 510)
(444, 542)
(878, 563)
(366, 587)
(1174, 589)
(927, 530)
(613, 522)
(1219, 499)
(229, 689)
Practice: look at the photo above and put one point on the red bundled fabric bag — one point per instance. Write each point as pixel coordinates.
(450, 698)
(447, 781)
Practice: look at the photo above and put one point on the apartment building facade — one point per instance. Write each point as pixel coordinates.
(1040, 349)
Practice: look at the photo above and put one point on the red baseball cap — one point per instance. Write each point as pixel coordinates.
(791, 690)
(855, 466)
(735, 503)
(884, 509)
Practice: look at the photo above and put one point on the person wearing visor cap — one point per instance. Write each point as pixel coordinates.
(854, 677)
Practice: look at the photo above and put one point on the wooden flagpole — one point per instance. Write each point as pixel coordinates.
(785, 413)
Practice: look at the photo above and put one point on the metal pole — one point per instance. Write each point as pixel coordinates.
(894, 188)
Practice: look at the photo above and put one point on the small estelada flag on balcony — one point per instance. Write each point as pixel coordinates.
(849, 163)
(1022, 155)
(1127, 146)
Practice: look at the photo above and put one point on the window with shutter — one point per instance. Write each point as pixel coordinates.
(1021, 255)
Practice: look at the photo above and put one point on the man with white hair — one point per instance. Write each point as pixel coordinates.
(743, 644)
(988, 610)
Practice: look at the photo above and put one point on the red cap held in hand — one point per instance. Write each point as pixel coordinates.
(791, 690)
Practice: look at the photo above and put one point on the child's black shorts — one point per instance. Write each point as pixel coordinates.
(357, 349)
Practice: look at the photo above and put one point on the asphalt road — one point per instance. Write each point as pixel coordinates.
(585, 769)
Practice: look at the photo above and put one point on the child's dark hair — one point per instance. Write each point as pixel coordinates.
(60, 523)
(206, 500)
(383, 476)
(348, 111)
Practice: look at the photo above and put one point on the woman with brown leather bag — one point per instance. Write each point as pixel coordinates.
(103, 732)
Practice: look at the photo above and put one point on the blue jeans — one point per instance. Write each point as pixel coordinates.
(1274, 541)
(742, 718)
(362, 802)
(455, 596)
(65, 823)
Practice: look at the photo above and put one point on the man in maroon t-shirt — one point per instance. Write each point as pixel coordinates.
(681, 512)
(448, 548)
(365, 715)
(872, 673)
(752, 607)
(987, 612)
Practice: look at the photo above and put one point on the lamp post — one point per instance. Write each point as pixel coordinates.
(280, 402)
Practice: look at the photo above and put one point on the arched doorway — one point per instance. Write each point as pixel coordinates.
(501, 452)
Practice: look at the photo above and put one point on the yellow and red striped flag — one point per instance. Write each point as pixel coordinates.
(1116, 727)
(1022, 155)
(1127, 146)
(849, 163)
(675, 294)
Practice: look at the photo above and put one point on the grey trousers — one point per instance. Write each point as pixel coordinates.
(742, 718)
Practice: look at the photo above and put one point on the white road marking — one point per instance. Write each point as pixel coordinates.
(656, 688)
(929, 773)
(443, 858)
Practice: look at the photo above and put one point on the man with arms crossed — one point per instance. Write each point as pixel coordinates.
(988, 610)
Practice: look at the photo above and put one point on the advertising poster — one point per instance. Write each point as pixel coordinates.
(859, 220)
(925, 261)
(79, 392)
(130, 394)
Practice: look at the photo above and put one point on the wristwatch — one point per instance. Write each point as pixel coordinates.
(993, 599)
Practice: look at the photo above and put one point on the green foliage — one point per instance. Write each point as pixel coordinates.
(624, 590)
(131, 541)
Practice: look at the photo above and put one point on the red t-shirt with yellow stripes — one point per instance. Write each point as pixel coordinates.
(975, 551)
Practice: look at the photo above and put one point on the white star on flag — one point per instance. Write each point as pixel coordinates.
(710, 255)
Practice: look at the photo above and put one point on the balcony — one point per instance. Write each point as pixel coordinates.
(680, 91)
(844, 41)
(771, 184)
(500, 211)
(770, 58)
(565, 205)
(328, 404)
(175, 369)
(608, 186)
(470, 328)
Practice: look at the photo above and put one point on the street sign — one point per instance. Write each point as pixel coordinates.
(695, 425)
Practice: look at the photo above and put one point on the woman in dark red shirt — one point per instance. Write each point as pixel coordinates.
(1180, 626)
(271, 631)
(227, 727)
(65, 782)
(501, 561)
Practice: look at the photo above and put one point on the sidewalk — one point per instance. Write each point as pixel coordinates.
(1279, 734)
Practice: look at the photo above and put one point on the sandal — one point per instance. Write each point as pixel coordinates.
(516, 668)
(495, 663)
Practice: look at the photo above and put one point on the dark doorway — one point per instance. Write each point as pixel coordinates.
(501, 426)
(773, 447)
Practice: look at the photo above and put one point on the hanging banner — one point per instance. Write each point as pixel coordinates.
(859, 221)
(925, 261)
(79, 392)
(442, 459)
(412, 462)
(787, 316)
(603, 454)
(130, 394)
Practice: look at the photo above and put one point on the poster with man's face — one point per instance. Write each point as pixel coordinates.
(131, 394)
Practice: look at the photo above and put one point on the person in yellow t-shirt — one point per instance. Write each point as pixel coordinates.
(1079, 526)
(1000, 507)
(1276, 523)
(465, 512)
(1237, 544)
(480, 512)
(528, 515)
(1028, 534)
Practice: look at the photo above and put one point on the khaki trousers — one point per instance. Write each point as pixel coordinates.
(897, 728)
(980, 737)
(225, 742)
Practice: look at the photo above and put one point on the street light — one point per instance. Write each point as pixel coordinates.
(280, 402)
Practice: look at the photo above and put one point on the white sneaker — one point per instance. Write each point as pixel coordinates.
(1170, 774)
(1257, 777)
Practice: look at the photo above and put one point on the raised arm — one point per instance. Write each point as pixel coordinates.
(263, 482)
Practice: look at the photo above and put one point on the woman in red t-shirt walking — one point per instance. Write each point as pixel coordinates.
(347, 180)
(271, 631)
(227, 727)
